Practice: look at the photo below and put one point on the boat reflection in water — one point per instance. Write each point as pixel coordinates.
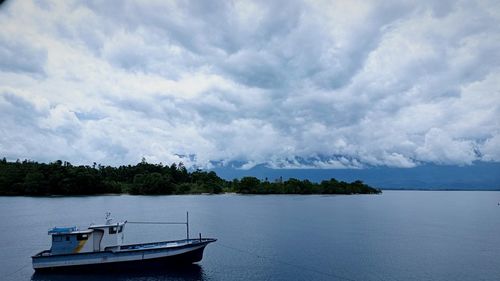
(192, 272)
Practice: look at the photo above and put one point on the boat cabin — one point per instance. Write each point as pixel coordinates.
(68, 240)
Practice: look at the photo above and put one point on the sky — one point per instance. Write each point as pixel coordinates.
(244, 84)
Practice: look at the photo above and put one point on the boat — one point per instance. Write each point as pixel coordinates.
(101, 247)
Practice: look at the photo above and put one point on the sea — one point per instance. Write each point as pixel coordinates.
(396, 235)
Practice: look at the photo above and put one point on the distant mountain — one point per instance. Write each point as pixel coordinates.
(479, 176)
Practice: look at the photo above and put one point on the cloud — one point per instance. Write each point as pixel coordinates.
(18, 55)
(316, 84)
(440, 148)
(491, 149)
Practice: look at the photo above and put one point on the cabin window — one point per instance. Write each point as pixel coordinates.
(112, 230)
(56, 238)
(81, 237)
(120, 229)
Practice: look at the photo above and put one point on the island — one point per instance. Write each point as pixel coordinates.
(62, 178)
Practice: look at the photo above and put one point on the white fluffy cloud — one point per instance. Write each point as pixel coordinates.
(325, 84)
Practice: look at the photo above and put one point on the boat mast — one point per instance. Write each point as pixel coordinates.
(187, 226)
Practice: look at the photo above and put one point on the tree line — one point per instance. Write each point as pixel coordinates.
(62, 178)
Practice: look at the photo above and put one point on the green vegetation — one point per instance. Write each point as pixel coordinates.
(62, 178)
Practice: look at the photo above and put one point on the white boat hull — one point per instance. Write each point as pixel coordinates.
(164, 253)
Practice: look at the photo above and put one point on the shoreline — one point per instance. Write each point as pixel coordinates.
(189, 194)
(249, 194)
(439, 189)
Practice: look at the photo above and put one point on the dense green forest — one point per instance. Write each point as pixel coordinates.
(62, 178)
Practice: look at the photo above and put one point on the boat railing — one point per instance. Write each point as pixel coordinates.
(182, 242)
(43, 253)
(186, 223)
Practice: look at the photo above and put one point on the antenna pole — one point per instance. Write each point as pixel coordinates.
(187, 226)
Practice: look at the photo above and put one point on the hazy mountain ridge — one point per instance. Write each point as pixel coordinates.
(479, 176)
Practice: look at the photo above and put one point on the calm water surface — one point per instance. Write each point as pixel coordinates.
(399, 235)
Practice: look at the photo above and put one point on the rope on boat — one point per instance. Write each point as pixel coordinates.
(19, 269)
(286, 263)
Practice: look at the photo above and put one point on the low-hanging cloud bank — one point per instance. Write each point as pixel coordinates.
(289, 84)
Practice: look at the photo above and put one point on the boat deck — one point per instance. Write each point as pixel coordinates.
(142, 246)
(163, 244)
